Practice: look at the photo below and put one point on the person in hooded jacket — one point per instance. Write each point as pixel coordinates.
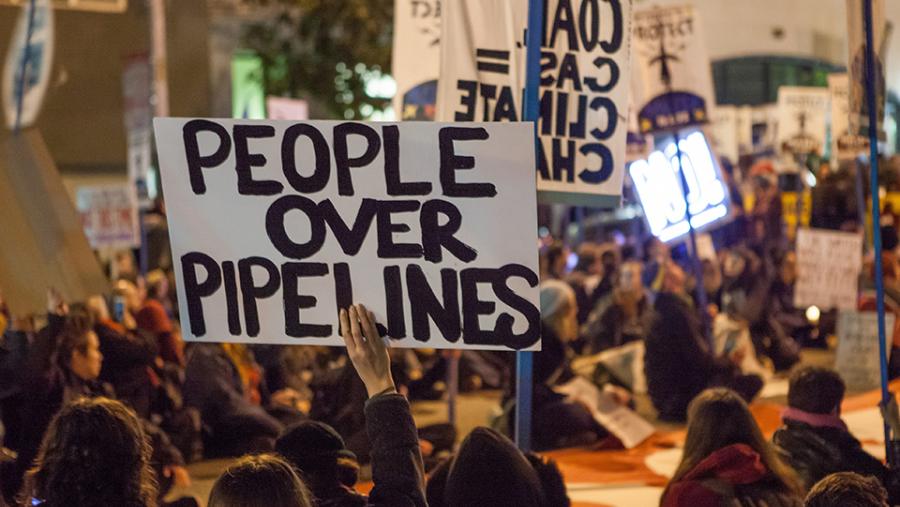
(488, 469)
(726, 460)
(816, 442)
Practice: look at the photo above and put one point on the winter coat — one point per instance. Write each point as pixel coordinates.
(818, 451)
(732, 476)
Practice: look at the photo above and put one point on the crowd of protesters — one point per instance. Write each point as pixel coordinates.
(104, 404)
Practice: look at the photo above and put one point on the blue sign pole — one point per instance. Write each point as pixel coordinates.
(876, 216)
(524, 360)
(26, 56)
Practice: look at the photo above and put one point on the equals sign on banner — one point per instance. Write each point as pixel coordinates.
(492, 60)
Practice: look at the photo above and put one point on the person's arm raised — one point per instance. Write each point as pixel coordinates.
(397, 469)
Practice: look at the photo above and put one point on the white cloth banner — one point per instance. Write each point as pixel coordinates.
(828, 267)
(136, 79)
(671, 66)
(275, 225)
(856, 39)
(803, 119)
(858, 360)
(109, 216)
(844, 144)
(416, 58)
(584, 86)
(39, 64)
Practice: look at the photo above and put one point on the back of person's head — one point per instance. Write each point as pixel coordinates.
(847, 489)
(718, 418)
(490, 470)
(816, 390)
(259, 481)
(94, 453)
(318, 453)
(559, 308)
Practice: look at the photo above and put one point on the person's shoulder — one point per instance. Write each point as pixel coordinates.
(691, 494)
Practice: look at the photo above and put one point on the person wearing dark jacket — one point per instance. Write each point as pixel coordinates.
(678, 361)
(726, 460)
(815, 441)
(488, 469)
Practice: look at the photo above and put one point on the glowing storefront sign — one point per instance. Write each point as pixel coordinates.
(659, 188)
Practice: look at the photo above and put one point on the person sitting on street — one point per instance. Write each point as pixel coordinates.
(847, 489)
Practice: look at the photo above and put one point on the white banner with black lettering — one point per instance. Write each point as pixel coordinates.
(416, 58)
(856, 52)
(109, 215)
(585, 84)
(844, 144)
(828, 267)
(803, 119)
(672, 69)
(275, 225)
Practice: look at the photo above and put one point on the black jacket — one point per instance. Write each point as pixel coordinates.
(678, 362)
(816, 452)
(397, 469)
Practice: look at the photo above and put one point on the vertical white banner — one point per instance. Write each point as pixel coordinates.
(585, 81)
(136, 82)
(39, 64)
(844, 144)
(672, 68)
(803, 119)
(856, 38)
(416, 57)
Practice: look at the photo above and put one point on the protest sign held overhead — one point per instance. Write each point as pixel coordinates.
(136, 78)
(802, 119)
(828, 266)
(845, 145)
(416, 57)
(109, 216)
(275, 225)
(584, 86)
(856, 38)
(30, 52)
(672, 69)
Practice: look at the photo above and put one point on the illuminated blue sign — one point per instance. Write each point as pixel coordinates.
(658, 186)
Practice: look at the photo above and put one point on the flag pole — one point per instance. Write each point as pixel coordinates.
(876, 216)
(524, 360)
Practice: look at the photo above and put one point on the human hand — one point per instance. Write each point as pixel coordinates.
(179, 475)
(367, 351)
(56, 305)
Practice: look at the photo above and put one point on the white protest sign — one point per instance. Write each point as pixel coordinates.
(723, 132)
(672, 68)
(109, 216)
(856, 39)
(858, 360)
(275, 225)
(136, 78)
(828, 266)
(844, 144)
(283, 108)
(802, 119)
(629, 427)
(416, 57)
(584, 86)
(39, 59)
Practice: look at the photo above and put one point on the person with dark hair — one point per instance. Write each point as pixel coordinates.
(319, 455)
(93, 454)
(679, 362)
(553, 261)
(259, 481)
(847, 489)
(726, 460)
(153, 318)
(621, 316)
(815, 441)
(488, 469)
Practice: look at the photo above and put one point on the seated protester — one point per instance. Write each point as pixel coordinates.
(153, 317)
(726, 460)
(94, 453)
(130, 354)
(891, 280)
(792, 319)
(815, 441)
(234, 421)
(259, 481)
(557, 422)
(678, 361)
(488, 469)
(622, 316)
(553, 261)
(748, 282)
(78, 363)
(593, 277)
(847, 489)
(319, 455)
